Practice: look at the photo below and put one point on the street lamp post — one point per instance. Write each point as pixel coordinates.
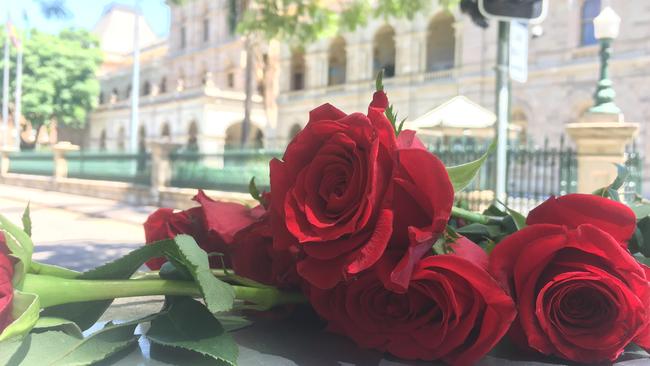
(606, 28)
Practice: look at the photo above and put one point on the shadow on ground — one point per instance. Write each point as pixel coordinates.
(80, 256)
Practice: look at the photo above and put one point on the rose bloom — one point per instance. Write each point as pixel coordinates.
(453, 310)
(213, 225)
(347, 190)
(6, 286)
(422, 200)
(330, 192)
(254, 257)
(580, 294)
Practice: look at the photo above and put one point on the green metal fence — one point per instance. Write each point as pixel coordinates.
(533, 173)
(119, 167)
(229, 171)
(36, 163)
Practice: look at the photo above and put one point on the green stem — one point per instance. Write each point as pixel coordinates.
(54, 290)
(472, 216)
(52, 270)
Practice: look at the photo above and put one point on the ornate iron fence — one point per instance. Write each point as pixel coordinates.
(533, 173)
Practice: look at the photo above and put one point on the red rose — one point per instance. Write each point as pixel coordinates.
(254, 257)
(422, 200)
(573, 210)
(453, 310)
(330, 193)
(213, 225)
(6, 286)
(580, 294)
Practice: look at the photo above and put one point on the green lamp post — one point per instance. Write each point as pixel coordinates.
(606, 28)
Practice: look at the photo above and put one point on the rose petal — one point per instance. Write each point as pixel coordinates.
(573, 210)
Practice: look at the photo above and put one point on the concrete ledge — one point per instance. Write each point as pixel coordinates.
(134, 194)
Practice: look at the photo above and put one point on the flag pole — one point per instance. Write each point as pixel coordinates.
(135, 81)
(5, 92)
(17, 109)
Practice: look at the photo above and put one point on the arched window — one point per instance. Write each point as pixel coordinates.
(102, 140)
(337, 62)
(519, 121)
(163, 86)
(114, 95)
(441, 42)
(234, 137)
(298, 70)
(165, 131)
(142, 139)
(146, 88)
(295, 130)
(128, 92)
(384, 51)
(590, 10)
(193, 137)
(121, 139)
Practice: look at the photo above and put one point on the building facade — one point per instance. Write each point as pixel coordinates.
(439, 55)
(192, 83)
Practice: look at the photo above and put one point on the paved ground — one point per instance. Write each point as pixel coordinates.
(77, 232)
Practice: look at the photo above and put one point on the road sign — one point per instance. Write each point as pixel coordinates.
(518, 51)
(532, 10)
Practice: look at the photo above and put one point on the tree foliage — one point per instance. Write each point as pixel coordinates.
(59, 77)
(301, 22)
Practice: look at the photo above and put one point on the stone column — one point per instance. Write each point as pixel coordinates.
(4, 160)
(60, 163)
(600, 140)
(161, 167)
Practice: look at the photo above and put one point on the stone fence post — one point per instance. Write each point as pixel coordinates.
(5, 160)
(600, 141)
(161, 167)
(60, 163)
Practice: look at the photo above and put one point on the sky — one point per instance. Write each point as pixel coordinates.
(83, 14)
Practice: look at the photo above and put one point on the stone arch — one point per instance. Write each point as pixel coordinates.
(165, 131)
(337, 62)
(294, 130)
(146, 88)
(384, 52)
(163, 85)
(121, 138)
(298, 69)
(233, 136)
(142, 138)
(519, 119)
(193, 136)
(102, 140)
(441, 42)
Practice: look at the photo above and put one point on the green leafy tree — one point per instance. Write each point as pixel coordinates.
(301, 22)
(59, 77)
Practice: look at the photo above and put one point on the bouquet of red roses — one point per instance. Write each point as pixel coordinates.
(361, 219)
(360, 223)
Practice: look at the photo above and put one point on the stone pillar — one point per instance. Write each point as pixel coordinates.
(161, 167)
(600, 140)
(60, 163)
(4, 160)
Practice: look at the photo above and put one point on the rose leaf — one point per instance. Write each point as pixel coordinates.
(188, 325)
